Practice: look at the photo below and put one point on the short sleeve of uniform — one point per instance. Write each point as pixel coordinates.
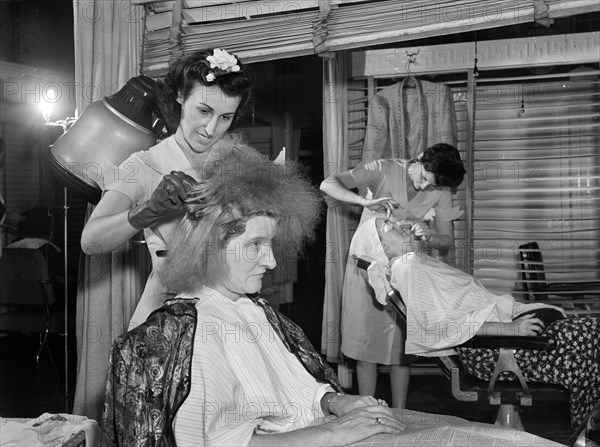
(368, 174)
(132, 178)
(443, 210)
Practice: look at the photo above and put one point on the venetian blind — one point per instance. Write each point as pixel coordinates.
(273, 29)
(535, 177)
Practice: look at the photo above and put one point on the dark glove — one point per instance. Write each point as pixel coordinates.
(168, 196)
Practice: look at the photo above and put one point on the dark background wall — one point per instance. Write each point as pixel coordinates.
(37, 33)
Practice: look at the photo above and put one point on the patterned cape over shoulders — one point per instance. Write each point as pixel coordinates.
(149, 372)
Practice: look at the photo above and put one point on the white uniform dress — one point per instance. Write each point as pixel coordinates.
(370, 332)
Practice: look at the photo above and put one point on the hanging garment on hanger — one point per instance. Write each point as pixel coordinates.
(407, 117)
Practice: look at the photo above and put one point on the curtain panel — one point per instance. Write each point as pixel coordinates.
(108, 36)
(335, 158)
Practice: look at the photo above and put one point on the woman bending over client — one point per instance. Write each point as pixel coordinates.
(407, 192)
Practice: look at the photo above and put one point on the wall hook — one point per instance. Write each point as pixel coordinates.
(411, 59)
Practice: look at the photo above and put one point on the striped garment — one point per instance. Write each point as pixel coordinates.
(445, 306)
(249, 380)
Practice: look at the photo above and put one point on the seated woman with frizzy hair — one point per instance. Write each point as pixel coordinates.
(253, 372)
(253, 382)
(218, 365)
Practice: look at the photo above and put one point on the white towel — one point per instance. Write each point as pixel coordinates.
(47, 430)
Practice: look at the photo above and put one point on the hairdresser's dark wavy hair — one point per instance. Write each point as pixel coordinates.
(238, 187)
(189, 70)
(443, 160)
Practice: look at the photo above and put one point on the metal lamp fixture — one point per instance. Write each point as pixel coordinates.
(85, 157)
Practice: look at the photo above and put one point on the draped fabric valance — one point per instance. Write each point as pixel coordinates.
(259, 30)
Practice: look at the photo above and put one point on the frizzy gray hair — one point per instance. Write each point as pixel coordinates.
(239, 186)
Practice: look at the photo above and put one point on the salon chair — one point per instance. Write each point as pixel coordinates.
(508, 396)
(576, 298)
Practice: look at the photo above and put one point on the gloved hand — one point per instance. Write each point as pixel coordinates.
(168, 196)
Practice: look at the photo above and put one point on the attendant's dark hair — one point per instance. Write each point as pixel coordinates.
(186, 72)
(443, 160)
(238, 187)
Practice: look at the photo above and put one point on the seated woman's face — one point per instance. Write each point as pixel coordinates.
(246, 259)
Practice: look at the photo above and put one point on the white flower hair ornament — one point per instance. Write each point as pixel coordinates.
(429, 216)
(220, 63)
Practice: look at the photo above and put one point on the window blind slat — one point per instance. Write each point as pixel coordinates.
(536, 177)
(350, 24)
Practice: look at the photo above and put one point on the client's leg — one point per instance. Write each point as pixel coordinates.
(366, 375)
(574, 362)
(399, 378)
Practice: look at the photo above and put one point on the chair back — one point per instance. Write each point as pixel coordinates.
(23, 273)
(531, 271)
